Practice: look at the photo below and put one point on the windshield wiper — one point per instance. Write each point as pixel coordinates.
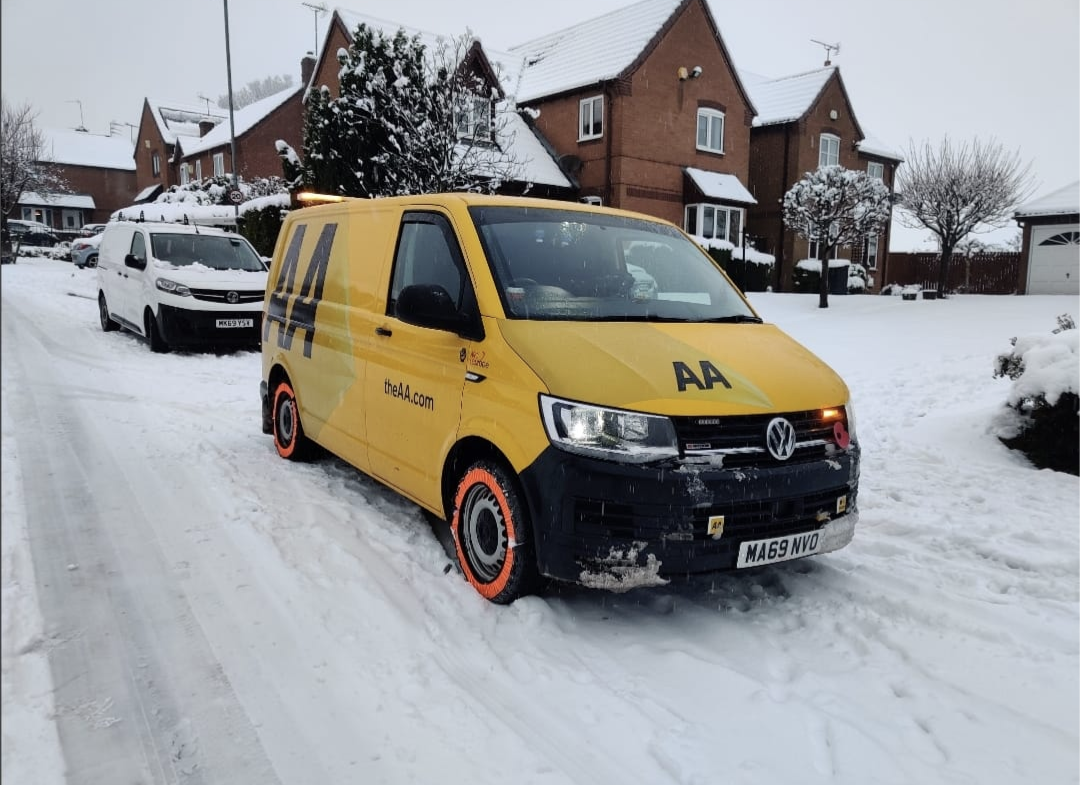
(740, 318)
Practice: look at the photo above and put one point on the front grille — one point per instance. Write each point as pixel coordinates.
(750, 520)
(221, 296)
(740, 440)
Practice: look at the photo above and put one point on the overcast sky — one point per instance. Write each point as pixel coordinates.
(914, 69)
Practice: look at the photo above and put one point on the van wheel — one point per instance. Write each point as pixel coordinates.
(153, 335)
(491, 534)
(107, 324)
(289, 438)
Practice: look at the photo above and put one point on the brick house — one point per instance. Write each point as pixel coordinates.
(645, 107)
(1050, 249)
(100, 175)
(163, 127)
(538, 173)
(806, 121)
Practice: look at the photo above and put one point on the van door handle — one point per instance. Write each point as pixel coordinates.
(384, 331)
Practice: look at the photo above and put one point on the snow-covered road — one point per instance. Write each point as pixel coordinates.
(181, 606)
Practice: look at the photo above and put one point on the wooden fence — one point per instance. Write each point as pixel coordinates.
(980, 273)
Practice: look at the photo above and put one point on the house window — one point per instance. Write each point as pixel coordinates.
(829, 151)
(871, 252)
(1065, 238)
(72, 219)
(472, 118)
(219, 164)
(591, 118)
(818, 247)
(198, 170)
(875, 170)
(714, 222)
(155, 163)
(183, 174)
(710, 130)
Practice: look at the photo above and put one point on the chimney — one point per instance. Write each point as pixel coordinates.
(205, 127)
(307, 68)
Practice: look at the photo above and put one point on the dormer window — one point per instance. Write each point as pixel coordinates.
(829, 151)
(472, 118)
(591, 118)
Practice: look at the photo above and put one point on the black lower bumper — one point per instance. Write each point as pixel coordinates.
(185, 327)
(592, 517)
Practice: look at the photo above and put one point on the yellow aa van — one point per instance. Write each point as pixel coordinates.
(580, 392)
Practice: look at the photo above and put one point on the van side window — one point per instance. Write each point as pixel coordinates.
(427, 253)
(138, 247)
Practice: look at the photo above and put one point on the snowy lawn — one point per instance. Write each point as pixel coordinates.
(314, 609)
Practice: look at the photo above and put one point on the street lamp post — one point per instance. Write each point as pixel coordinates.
(232, 122)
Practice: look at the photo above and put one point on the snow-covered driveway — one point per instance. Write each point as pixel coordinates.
(181, 606)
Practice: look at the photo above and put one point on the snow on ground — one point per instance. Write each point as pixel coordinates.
(207, 612)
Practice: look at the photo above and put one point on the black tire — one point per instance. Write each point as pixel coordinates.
(153, 335)
(107, 324)
(492, 535)
(289, 439)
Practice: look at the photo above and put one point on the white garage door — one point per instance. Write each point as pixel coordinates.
(1055, 260)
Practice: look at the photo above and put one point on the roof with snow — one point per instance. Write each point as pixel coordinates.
(179, 119)
(593, 51)
(785, 99)
(871, 145)
(81, 148)
(720, 186)
(1063, 201)
(243, 119)
(74, 201)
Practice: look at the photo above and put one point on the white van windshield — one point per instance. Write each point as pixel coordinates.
(564, 264)
(215, 251)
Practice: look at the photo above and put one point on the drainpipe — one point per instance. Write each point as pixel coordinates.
(610, 122)
(780, 233)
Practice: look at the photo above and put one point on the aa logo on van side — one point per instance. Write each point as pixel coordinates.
(305, 302)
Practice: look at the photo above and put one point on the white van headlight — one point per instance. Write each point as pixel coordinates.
(172, 287)
(613, 434)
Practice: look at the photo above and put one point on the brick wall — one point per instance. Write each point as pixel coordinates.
(112, 189)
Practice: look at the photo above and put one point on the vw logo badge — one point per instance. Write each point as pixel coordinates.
(234, 298)
(780, 438)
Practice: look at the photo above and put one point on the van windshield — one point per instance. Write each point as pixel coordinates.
(215, 251)
(578, 266)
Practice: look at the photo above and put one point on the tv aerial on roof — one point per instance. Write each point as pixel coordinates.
(319, 9)
(830, 49)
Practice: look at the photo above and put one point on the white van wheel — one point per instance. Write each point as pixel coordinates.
(491, 534)
(153, 335)
(107, 324)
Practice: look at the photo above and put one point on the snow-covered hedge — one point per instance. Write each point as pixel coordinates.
(1042, 416)
(808, 275)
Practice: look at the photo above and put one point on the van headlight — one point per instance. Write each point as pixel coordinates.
(612, 434)
(172, 287)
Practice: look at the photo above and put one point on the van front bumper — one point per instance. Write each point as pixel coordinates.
(187, 327)
(609, 524)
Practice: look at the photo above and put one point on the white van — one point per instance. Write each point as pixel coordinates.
(180, 285)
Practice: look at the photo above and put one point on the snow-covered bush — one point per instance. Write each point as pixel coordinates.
(750, 269)
(1042, 418)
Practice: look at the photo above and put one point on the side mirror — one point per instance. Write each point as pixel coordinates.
(131, 260)
(430, 305)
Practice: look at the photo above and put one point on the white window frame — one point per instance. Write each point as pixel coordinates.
(155, 163)
(472, 118)
(587, 109)
(198, 169)
(76, 217)
(184, 174)
(219, 164)
(725, 222)
(872, 249)
(828, 147)
(711, 144)
(876, 170)
(593, 200)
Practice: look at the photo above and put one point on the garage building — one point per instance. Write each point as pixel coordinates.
(1050, 258)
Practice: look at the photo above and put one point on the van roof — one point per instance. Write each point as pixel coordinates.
(173, 228)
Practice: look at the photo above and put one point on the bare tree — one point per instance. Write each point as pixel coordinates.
(953, 190)
(22, 154)
(836, 207)
(256, 90)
